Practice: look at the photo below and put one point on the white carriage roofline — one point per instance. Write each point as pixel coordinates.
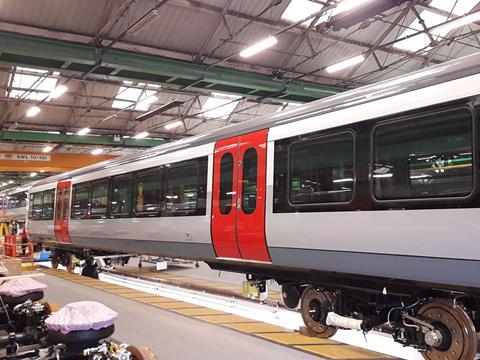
(428, 77)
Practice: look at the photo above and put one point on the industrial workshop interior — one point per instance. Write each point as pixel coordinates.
(239, 179)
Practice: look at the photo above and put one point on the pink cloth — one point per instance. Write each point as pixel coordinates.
(81, 315)
(20, 287)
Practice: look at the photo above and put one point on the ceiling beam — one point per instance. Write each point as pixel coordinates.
(100, 140)
(53, 54)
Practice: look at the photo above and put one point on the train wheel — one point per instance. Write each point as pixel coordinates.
(141, 353)
(314, 307)
(454, 337)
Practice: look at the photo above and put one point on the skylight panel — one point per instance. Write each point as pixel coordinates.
(127, 96)
(219, 106)
(459, 7)
(300, 9)
(431, 19)
(40, 84)
(421, 41)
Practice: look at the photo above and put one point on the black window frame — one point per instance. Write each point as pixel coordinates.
(177, 165)
(426, 200)
(227, 208)
(316, 137)
(92, 184)
(73, 199)
(31, 204)
(159, 170)
(52, 214)
(249, 211)
(130, 177)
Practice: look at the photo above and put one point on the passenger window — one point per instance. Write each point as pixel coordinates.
(249, 181)
(321, 170)
(226, 183)
(99, 200)
(424, 157)
(37, 205)
(182, 189)
(48, 197)
(81, 202)
(30, 206)
(147, 199)
(121, 191)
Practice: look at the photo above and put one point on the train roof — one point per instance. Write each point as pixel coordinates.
(437, 74)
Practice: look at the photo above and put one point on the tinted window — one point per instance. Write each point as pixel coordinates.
(81, 201)
(99, 199)
(147, 199)
(121, 191)
(182, 189)
(37, 205)
(226, 183)
(321, 170)
(17, 200)
(48, 198)
(66, 202)
(424, 157)
(249, 181)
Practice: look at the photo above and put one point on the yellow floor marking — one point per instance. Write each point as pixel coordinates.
(296, 339)
(199, 311)
(109, 287)
(153, 299)
(175, 305)
(134, 295)
(342, 352)
(225, 319)
(252, 328)
(123, 291)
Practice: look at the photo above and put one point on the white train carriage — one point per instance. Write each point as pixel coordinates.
(363, 204)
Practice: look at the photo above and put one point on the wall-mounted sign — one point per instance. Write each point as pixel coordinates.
(24, 157)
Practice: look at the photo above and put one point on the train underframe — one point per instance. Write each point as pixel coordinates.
(441, 322)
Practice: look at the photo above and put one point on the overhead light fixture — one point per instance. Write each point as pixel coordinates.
(347, 5)
(144, 104)
(83, 131)
(173, 125)
(140, 24)
(256, 48)
(456, 23)
(96, 151)
(159, 110)
(141, 135)
(4, 184)
(11, 181)
(47, 149)
(34, 110)
(42, 171)
(58, 91)
(33, 174)
(345, 64)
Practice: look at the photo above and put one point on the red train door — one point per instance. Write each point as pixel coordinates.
(238, 206)
(62, 211)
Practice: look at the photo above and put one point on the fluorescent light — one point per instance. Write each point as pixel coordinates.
(11, 181)
(300, 9)
(347, 5)
(33, 174)
(256, 48)
(34, 110)
(140, 24)
(383, 175)
(42, 171)
(47, 149)
(459, 22)
(58, 91)
(96, 151)
(83, 131)
(173, 125)
(141, 135)
(4, 184)
(345, 64)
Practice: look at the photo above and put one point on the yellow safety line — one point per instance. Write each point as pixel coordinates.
(326, 348)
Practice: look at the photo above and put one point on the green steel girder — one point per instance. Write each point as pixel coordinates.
(101, 140)
(78, 58)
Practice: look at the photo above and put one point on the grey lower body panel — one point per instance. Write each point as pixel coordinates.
(160, 248)
(465, 273)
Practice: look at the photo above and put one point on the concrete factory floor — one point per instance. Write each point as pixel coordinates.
(169, 335)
